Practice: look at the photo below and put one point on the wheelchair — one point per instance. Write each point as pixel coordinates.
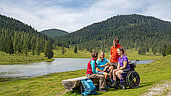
(130, 78)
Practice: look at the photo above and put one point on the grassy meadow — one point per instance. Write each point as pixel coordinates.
(6, 59)
(50, 85)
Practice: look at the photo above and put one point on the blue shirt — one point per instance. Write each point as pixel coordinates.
(93, 66)
(100, 63)
(121, 60)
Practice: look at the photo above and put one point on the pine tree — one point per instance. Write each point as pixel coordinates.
(169, 50)
(147, 49)
(75, 49)
(154, 51)
(38, 47)
(9, 46)
(142, 51)
(48, 49)
(33, 45)
(164, 50)
(26, 46)
(63, 50)
(15, 42)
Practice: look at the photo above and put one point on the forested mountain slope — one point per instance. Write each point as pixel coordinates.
(132, 30)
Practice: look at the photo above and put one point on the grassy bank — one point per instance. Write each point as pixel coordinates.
(21, 59)
(50, 85)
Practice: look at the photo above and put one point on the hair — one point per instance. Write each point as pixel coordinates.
(121, 49)
(116, 39)
(101, 52)
(94, 54)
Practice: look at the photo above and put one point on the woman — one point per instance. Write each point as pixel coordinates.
(123, 64)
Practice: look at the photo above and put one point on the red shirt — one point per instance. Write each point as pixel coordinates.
(89, 68)
(114, 54)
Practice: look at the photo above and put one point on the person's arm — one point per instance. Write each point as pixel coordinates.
(125, 64)
(125, 61)
(104, 65)
(118, 66)
(110, 52)
(93, 66)
(99, 69)
(105, 68)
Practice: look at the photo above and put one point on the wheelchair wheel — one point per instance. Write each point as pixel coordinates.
(133, 79)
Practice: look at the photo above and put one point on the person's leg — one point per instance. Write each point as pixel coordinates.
(106, 75)
(114, 75)
(102, 81)
(111, 71)
(118, 73)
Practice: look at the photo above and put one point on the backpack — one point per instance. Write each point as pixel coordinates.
(88, 87)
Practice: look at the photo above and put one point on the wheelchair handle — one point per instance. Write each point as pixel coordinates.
(136, 61)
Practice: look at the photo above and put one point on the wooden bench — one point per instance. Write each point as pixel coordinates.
(71, 84)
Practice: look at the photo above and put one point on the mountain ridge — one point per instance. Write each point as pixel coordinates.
(54, 33)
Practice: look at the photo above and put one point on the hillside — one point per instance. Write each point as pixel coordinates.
(54, 33)
(17, 37)
(132, 30)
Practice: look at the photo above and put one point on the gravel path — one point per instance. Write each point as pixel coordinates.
(159, 90)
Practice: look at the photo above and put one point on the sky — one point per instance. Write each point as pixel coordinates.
(72, 15)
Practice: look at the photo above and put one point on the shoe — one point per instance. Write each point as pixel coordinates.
(103, 90)
(107, 87)
(113, 84)
(111, 80)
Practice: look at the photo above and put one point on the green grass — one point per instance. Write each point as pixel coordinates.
(69, 53)
(6, 59)
(50, 85)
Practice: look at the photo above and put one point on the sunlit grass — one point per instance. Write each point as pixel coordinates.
(21, 59)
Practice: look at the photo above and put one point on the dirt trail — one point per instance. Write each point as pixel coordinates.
(158, 90)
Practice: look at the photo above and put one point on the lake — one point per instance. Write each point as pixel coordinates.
(43, 68)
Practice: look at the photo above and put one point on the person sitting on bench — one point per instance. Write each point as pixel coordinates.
(91, 72)
(103, 66)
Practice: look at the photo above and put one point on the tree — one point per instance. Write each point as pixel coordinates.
(38, 47)
(147, 49)
(15, 42)
(168, 49)
(164, 50)
(75, 49)
(9, 46)
(48, 49)
(33, 45)
(154, 51)
(26, 46)
(142, 51)
(63, 50)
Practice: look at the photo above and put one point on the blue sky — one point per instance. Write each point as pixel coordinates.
(72, 15)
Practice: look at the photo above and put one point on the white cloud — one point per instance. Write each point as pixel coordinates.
(54, 14)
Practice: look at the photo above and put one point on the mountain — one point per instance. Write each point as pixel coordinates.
(132, 30)
(54, 33)
(17, 37)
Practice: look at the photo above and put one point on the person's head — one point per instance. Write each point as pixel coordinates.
(120, 51)
(115, 41)
(102, 55)
(94, 54)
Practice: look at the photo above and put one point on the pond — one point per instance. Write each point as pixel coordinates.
(43, 68)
